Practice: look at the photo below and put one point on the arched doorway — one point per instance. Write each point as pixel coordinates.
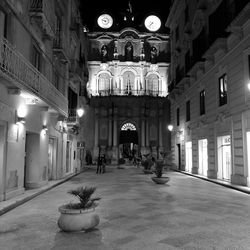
(128, 141)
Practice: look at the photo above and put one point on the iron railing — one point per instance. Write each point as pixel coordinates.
(44, 9)
(125, 92)
(18, 70)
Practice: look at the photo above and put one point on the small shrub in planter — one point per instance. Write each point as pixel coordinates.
(158, 178)
(80, 215)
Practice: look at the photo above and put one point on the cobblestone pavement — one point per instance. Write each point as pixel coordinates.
(136, 214)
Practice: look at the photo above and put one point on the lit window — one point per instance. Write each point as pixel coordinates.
(223, 90)
(128, 126)
(202, 102)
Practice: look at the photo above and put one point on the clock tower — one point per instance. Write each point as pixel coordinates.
(128, 111)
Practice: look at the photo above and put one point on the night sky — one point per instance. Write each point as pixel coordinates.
(141, 9)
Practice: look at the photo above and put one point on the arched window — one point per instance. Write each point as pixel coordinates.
(153, 84)
(128, 82)
(128, 126)
(129, 51)
(103, 82)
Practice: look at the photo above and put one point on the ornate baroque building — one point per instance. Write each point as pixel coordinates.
(128, 87)
(209, 90)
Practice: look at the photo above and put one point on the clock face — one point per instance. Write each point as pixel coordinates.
(152, 23)
(105, 21)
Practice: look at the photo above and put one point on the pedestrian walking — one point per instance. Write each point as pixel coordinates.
(103, 164)
(99, 165)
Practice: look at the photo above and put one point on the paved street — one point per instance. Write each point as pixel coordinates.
(187, 213)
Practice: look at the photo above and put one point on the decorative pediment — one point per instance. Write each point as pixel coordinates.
(129, 33)
(105, 37)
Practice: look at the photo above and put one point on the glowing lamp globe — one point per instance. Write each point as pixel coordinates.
(80, 112)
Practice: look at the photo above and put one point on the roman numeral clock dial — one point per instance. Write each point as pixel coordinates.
(152, 23)
(105, 21)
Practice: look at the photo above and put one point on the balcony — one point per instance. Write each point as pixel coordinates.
(41, 11)
(60, 46)
(73, 119)
(16, 70)
(125, 92)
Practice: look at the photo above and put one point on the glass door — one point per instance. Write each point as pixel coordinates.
(188, 147)
(202, 144)
(224, 157)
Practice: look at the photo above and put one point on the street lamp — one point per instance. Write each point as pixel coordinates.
(170, 127)
(248, 86)
(80, 112)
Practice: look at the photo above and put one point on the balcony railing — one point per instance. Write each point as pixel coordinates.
(15, 68)
(60, 45)
(125, 92)
(72, 119)
(42, 11)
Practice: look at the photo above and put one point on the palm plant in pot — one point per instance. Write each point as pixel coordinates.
(159, 178)
(81, 215)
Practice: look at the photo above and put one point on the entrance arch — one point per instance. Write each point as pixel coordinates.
(128, 140)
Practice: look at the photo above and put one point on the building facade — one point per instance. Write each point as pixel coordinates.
(128, 80)
(209, 89)
(41, 67)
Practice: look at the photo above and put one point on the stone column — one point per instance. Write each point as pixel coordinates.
(115, 128)
(115, 147)
(147, 132)
(160, 144)
(143, 133)
(110, 128)
(96, 146)
(143, 148)
(160, 127)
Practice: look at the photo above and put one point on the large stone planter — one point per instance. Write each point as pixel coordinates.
(72, 220)
(160, 180)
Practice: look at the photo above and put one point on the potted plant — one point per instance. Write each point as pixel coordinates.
(81, 215)
(159, 178)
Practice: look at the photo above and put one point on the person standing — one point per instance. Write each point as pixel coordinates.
(103, 163)
(99, 165)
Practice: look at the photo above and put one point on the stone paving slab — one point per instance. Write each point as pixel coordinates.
(136, 214)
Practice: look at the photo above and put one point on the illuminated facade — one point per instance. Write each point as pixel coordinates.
(41, 78)
(128, 84)
(210, 58)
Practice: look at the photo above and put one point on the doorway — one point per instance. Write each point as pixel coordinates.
(32, 159)
(224, 157)
(179, 155)
(52, 159)
(188, 149)
(68, 156)
(248, 158)
(129, 141)
(202, 146)
(2, 160)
